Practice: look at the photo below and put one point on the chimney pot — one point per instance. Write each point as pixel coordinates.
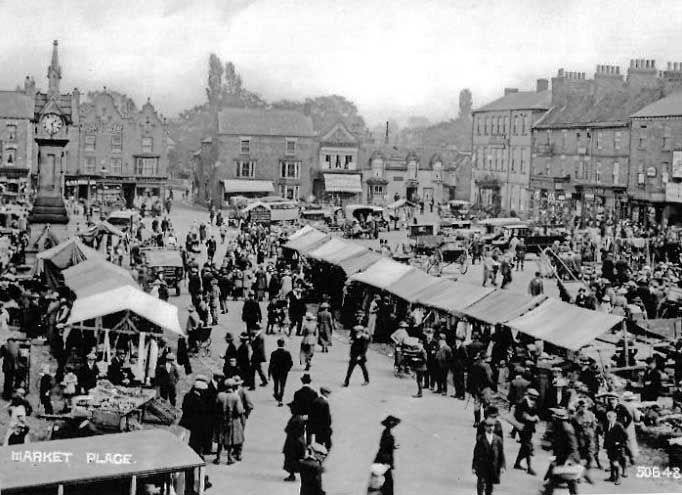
(560, 73)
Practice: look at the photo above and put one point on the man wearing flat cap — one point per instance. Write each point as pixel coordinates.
(320, 420)
(167, 378)
(488, 461)
(565, 448)
(527, 415)
(358, 354)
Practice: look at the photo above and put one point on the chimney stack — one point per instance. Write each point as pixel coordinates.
(541, 85)
(386, 138)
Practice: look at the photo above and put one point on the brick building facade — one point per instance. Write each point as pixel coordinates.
(259, 152)
(501, 149)
(16, 143)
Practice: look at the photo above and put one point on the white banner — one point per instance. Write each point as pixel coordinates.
(673, 192)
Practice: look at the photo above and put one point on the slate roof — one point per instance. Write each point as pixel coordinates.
(614, 107)
(262, 122)
(64, 103)
(15, 105)
(671, 105)
(522, 100)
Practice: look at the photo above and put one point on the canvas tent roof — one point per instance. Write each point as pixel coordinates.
(127, 298)
(335, 249)
(301, 232)
(502, 305)
(104, 227)
(61, 256)
(414, 282)
(564, 325)
(309, 241)
(453, 297)
(382, 274)
(357, 263)
(96, 275)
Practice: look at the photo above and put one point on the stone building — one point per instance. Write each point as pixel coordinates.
(655, 185)
(425, 173)
(501, 149)
(16, 142)
(337, 178)
(259, 152)
(120, 151)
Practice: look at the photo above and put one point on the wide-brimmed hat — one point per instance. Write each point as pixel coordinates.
(390, 421)
(200, 378)
(229, 382)
(324, 305)
(358, 328)
(403, 324)
(229, 337)
(244, 336)
(199, 385)
(306, 378)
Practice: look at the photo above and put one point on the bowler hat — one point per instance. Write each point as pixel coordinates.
(306, 378)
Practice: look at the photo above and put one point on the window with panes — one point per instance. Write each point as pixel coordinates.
(246, 168)
(290, 170)
(147, 144)
(90, 141)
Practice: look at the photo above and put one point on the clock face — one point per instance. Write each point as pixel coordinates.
(52, 123)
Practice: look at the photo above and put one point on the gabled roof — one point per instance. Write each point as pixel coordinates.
(62, 101)
(262, 122)
(612, 107)
(15, 105)
(669, 106)
(522, 100)
(339, 134)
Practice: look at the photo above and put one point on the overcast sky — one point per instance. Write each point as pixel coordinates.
(393, 58)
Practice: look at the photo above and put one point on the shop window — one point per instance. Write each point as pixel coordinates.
(327, 161)
(246, 169)
(289, 192)
(348, 163)
(146, 167)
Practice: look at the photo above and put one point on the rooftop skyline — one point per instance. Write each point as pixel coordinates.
(393, 59)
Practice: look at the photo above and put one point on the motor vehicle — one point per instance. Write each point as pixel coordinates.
(282, 210)
(535, 243)
(316, 216)
(167, 261)
(124, 219)
(119, 463)
(362, 212)
(458, 209)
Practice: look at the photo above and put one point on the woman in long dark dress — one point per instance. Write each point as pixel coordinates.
(385, 454)
(294, 445)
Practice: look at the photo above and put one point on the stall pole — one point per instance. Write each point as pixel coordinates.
(133, 485)
(60, 489)
(202, 474)
(624, 326)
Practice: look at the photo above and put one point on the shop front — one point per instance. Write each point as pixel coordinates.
(340, 188)
(377, 190)
(488, 195)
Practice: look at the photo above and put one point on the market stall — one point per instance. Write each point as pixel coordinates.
(94, 276)
(452, 297)
(356, 263)
(564, 325)
(49, 263)
(382, 274)
(336, 249)
(500, 306)
(414, 283)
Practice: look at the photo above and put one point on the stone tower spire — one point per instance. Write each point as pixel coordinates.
(54, 72)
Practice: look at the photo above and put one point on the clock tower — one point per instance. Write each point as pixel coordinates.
(55, 116)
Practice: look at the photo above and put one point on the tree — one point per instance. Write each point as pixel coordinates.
(215, 81)
(465, 104)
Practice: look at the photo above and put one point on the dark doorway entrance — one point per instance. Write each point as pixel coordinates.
(129, 194)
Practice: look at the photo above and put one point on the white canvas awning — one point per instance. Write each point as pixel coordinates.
(382, 274)
(238, 186)
(350, 183)
(126, 298)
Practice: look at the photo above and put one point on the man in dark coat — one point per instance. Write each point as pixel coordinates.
(244, 352)
(320, 420)
(652, 381)
(167, 378)
(304, 396)
(526, 414)
(358, 354)
(615, 440)
(311, 470)
(488, 462)
(444, 361)
(565, 447)
(251, 313)
(197, 417)
(460, 363)
(257, 357)
(297, 310)
(87, 374)
(278, 369)
(479, 385)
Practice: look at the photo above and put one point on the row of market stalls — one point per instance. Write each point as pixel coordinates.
(544, 318)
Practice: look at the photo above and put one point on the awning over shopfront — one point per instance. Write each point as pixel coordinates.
(452, 297)
(349, 183)
(238, 186)
(414, 283)
(307, 242)
(358, 263)
(128, 299)
(335, 249)
(382, 274)
(564, 325)
(502, 305)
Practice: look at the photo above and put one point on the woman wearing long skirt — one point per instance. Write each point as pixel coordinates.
(309, 331)
(294, 445)
(325, 326)
(384, 456)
